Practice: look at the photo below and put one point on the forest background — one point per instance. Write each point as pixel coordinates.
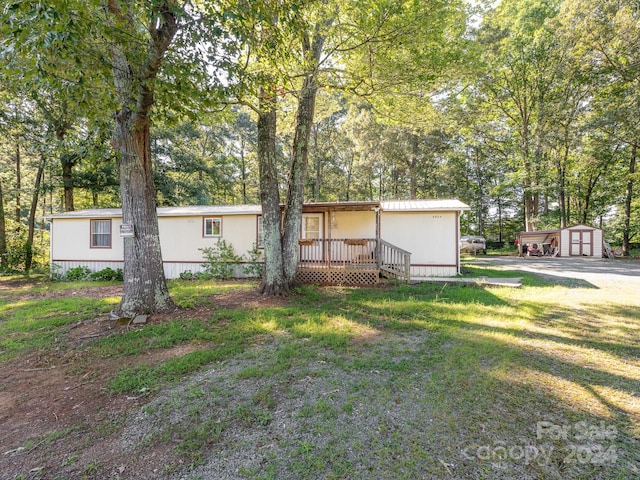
(526, 110)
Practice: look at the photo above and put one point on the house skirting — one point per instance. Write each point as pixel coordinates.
(434, 270)
(338, 276)
(318, 275)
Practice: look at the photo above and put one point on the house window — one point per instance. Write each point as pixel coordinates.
(260, 230)
(100, 233)
(311, 226)
(212, 227)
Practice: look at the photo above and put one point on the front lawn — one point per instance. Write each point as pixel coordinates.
(404, 381)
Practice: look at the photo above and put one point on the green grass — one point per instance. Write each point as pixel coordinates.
(410, 381)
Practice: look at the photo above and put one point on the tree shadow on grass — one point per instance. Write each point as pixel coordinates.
(492, 385)
(530, 279)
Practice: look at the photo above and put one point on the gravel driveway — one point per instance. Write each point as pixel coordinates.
(599, 272)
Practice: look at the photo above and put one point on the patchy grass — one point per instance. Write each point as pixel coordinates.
(410, 381)
(36, 324)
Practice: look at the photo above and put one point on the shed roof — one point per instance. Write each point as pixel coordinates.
(581, 226)
(338, 206)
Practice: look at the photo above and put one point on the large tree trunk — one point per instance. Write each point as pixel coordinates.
(273, 281)
(145, 287)
(3, 234)
(32, 216)
(626, 235)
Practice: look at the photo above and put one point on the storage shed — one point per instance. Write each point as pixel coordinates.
(581, 240)
(578, 240)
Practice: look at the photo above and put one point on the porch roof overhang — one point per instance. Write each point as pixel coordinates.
(389, 206)
(339, 206)
(433, 205)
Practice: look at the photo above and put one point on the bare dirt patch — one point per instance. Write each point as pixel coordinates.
(56, 414)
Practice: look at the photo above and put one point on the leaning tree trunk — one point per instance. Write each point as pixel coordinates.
(299, 160)
(297, 175)
(145, 287)
(32, 216)
(626, 238)
(273, 281)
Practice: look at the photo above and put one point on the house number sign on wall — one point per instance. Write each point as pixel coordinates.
(126, 230)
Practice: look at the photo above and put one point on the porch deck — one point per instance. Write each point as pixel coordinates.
(350, 261)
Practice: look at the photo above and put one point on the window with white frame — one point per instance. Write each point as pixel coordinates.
(100, 233)
(212, 227)
(260, 239)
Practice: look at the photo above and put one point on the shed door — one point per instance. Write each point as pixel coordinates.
(587, 244)
(581, 242)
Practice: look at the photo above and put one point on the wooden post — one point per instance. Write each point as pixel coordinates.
(407, 267)
(378, 246)
(329, 246)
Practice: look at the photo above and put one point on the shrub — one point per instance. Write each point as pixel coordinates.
(204, 276)
(255, 266)
(221, 260)
(187, 275)
(55, 274)
(107, 274)
(84, 273)
(77, 273)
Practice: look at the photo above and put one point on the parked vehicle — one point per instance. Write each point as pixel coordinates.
(473, 244)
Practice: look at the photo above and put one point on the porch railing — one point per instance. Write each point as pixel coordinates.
(395, 260)
(338, 252)
(356, 253)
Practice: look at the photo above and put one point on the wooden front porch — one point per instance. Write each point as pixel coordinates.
(351, 261)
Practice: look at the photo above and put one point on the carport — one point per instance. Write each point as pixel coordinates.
(548, 242)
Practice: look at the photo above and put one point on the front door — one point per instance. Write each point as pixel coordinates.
(311, 237)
